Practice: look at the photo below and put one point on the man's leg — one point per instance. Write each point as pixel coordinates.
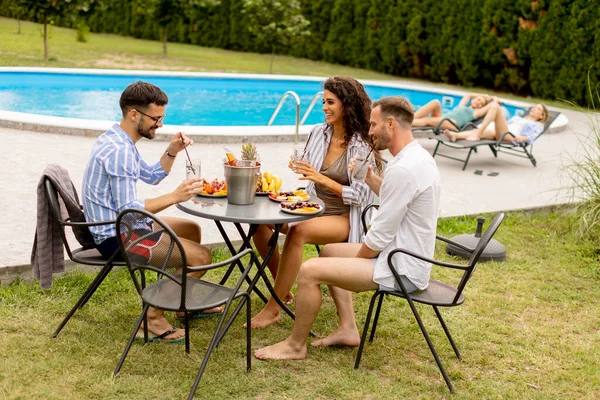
(355, 274)
(347, 333)
(190, 235)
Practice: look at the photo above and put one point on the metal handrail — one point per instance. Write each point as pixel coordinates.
(297, 99)
(310, 106)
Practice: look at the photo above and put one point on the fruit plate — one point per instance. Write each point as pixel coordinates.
(296, 195)
(214, 195)
(307, 209)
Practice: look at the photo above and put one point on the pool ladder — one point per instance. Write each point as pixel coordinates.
(297, 101)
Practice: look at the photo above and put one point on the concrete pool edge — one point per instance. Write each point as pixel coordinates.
(206, 134)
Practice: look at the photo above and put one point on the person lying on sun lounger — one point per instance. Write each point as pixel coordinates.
(471, 107)
(524, 129)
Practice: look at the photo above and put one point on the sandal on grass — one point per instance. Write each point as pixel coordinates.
(159, 338)
(199, 314)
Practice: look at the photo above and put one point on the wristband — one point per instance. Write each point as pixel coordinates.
(169, 154)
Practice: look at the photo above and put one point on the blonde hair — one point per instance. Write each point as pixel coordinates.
(546, 114)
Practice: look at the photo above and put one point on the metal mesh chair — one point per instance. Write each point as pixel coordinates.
(82, 255)
(437, 294)
(147, 244)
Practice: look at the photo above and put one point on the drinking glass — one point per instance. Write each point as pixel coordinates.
(192, 170)
(361, 165)
(300, 154)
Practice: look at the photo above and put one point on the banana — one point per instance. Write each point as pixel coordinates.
(265, 185)
(277, 181)
(272, 186)
(268, 176)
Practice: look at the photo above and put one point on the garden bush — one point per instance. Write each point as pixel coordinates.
(526, 47)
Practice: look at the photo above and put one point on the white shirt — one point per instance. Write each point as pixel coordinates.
(407, 217)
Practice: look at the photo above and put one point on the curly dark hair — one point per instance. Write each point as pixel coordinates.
(356, 109)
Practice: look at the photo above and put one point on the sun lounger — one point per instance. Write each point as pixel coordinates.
(523, 150)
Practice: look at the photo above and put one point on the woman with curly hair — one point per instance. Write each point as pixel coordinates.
(329, 148)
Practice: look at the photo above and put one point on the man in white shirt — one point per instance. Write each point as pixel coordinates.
(407, 218)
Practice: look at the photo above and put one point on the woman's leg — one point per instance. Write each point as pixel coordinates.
(484, 131)
(433, 108)
(321, 230)
(261, 241)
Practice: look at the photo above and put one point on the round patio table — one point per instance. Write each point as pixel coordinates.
(263, 211)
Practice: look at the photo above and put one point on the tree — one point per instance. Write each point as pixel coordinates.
(275, 22)
(168, 12)
(47, 10)
(18, 9)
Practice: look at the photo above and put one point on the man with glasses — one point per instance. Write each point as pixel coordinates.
(110, 178)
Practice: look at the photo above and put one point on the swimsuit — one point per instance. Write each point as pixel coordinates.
(461, 115)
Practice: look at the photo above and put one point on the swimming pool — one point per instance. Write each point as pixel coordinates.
(195, 99)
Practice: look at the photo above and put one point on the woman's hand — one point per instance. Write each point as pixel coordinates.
(310, 173)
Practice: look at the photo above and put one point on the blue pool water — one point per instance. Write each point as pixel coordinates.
(195, 101)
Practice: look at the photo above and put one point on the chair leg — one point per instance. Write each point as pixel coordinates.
(430, 344)
(363, 339)
(85, 296)
(248, 335)
(211, 346)
(186, 326)
(467, 160)
(381, 296)
(439, 315)
(436, 148)
(494, 151)
(132, 337)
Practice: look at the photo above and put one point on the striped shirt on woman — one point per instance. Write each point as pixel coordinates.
(357, 195)
(110, 178)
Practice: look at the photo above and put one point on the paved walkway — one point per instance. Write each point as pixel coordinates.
(518, 185)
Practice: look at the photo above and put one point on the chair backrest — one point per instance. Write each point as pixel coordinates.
(552, 115)
(54, 204)
(483, 242)
(147, 243)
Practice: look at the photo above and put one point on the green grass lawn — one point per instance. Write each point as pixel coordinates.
(529, 329)
(120, 52)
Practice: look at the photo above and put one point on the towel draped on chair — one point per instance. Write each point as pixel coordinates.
(47, 254)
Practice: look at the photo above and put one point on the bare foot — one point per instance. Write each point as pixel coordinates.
(450, 135)
(157, 325)
(289, 299)
(339, 337)
(264, 318)
(281, 351)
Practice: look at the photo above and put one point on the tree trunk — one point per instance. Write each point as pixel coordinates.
(165, 40)
(271, 63)
(46, 37)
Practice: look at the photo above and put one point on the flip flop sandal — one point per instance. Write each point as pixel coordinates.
(199, 315)
(159, 338)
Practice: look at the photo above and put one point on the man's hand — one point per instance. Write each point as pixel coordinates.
(187, 189)
(178, 143)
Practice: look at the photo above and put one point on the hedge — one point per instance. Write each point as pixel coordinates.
(541, 47)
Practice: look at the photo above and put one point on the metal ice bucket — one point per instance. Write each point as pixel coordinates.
(241, 182)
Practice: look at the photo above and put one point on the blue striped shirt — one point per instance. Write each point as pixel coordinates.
(110, 178)
(357, 195)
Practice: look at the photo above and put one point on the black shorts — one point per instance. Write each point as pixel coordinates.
(109, 247)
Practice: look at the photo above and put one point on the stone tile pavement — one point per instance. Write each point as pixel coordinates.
(518, 184)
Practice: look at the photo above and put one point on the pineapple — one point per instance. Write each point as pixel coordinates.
(249, 152)
(259, 184)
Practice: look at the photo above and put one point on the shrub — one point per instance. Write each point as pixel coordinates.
(83, 32)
